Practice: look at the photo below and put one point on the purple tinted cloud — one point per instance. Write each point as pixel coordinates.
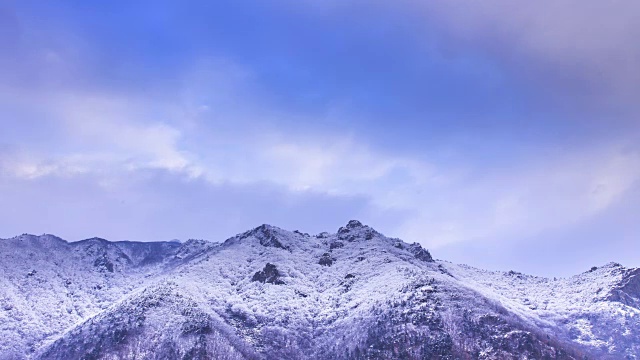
(584, 51)
(487, 125)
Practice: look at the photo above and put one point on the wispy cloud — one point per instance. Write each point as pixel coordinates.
(577, 47)
(275, 133)
(443, 202)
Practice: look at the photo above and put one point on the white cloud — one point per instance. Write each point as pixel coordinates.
(443, 203)
(109, 136)
(550, 193)
(333, 164)
(121, 126)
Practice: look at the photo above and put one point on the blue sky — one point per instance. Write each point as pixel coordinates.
(504, 135)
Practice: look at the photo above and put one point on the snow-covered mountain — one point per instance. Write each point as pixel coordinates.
(274, 294)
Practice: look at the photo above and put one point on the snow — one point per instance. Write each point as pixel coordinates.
(50, 289)
(577, 305)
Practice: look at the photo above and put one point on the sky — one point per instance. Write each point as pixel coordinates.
(501, 134)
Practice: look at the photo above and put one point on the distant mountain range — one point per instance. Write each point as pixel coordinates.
(275, 294)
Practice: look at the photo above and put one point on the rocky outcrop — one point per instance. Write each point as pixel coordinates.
(420, 253)
(267, 236)
(356, 231)
(628, 290)
(268, 275)
(326, 260)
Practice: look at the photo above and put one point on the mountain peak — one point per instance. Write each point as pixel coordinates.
(353, 224)
(39, 240)
(267, 235)
(95, 239)
(355, 230)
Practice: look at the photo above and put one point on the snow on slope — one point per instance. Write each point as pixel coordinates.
(274, 294)
(157, 320)
(598, 308)
(48, 284)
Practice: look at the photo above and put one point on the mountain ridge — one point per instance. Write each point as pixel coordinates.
(272, 293)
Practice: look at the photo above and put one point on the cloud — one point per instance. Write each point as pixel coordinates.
(211, 148)
(108, 137)
(120, 127)
(551, 192)
(84, 131)
(574, 56)
(587, 46)
(152, 205)
(441, 203)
